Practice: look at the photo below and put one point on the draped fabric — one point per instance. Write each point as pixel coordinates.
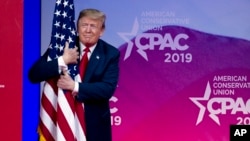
(61, 117)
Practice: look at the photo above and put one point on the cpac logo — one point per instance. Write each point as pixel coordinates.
(152, 39)
(225, 105)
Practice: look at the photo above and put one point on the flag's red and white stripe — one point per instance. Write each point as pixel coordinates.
(61, 117)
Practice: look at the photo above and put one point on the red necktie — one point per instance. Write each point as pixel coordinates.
(78, 105)
(84, 62)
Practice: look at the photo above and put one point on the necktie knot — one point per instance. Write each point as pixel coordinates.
(86, 50)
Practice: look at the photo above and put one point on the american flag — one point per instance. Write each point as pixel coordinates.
(61, 117)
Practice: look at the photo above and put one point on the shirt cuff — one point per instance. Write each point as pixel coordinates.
(76, 88)
(61, 64)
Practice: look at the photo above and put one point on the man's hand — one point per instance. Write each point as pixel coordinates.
(70, 55)
(65, 82)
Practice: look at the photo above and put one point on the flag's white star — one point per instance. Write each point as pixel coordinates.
(71, 6)
(61, 48)
(57, 35)
(65, 3)
(57, 46)
(58, 2)
(62, 37)
(70, 40)
(69, 70)
(64, 26)
(73, 32)
(50, 46)
(57, 24)
(56, 57)
(49, 59)
(64, 14)
(57, 13)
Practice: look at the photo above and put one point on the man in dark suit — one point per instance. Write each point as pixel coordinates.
(100, 79)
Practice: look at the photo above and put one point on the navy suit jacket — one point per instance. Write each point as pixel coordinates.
(97, 88)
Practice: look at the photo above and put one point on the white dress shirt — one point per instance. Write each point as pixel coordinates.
(63, 66)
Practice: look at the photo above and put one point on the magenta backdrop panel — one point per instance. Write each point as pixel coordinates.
(181, 84)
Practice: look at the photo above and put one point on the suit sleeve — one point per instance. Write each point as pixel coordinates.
(101, 88)
(43, 70)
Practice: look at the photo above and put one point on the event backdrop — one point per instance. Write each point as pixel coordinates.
(11, 36)
(184, 68)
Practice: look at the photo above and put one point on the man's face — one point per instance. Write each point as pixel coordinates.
(89, 31)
